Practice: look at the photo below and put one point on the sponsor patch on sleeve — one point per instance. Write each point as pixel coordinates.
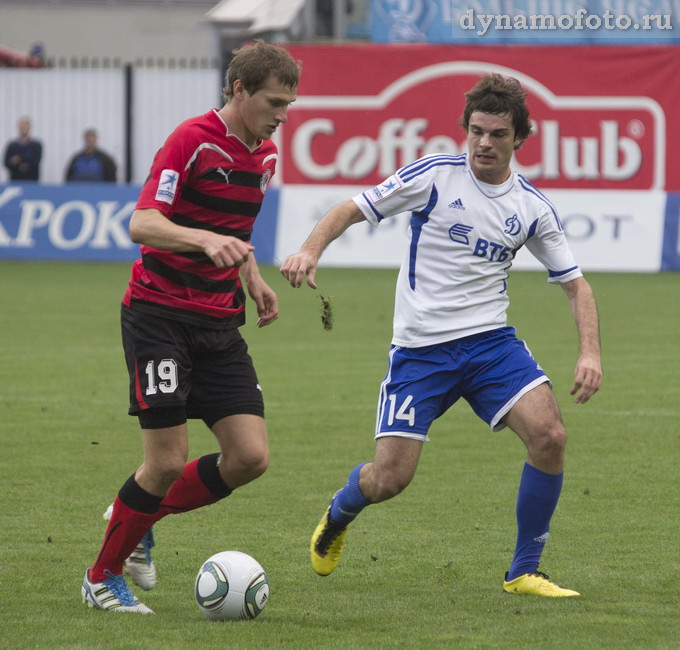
(167, 186)
(382, 191)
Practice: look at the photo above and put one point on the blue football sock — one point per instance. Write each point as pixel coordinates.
(349, 501)
(536, 502)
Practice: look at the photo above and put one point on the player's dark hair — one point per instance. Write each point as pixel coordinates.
(499, 95)
(253, 63)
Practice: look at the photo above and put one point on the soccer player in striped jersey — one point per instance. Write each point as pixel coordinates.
(470, 214)
(181, 313)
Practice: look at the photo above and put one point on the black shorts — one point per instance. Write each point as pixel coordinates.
(179, 371)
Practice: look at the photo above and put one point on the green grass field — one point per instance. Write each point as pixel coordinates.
(421, 571)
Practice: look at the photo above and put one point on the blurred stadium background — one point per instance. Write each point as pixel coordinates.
(383, 83)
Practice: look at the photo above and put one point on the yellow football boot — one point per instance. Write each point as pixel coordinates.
(326, 545)
(539, 584)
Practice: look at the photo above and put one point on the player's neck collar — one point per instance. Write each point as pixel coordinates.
(492, 190)
(227, 133)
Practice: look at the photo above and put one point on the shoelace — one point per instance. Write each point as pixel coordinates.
(118, 587)
(540, 574)
(329, 535)
(142, 552)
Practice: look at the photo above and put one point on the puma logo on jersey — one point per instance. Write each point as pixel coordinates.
(221, 171)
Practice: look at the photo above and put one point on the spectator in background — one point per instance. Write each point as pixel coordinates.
(91, 164)
(22, 156)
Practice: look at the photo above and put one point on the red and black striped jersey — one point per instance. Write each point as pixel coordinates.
(202, 177)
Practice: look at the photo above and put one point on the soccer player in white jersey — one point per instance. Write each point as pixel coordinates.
(470, 214)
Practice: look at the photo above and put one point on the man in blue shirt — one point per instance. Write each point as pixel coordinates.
(91, 164)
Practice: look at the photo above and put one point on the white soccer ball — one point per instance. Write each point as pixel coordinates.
(231, 586)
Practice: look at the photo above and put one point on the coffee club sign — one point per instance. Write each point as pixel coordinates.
(358, 133)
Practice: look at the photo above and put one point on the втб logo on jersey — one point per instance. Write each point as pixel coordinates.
(485, 248)
(513, 225)
(459, 233)
(167, 186)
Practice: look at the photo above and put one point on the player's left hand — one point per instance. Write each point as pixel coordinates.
(266, 301)
(587, 379)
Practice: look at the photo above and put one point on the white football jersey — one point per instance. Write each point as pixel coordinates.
(464, 235)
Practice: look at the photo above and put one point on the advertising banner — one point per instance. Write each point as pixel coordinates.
(75, 221)
(359, 246)
(670, 257)
(525, 21)
(602, 124)
(608, 231)
(602, 115)
(601, 151)
(90, 221)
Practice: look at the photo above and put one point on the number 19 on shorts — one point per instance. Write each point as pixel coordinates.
(167, 377)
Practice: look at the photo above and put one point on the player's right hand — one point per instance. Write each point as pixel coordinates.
(227, 251)
(587, 378)
(296, 267)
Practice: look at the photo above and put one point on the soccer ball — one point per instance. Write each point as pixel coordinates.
(231, 586)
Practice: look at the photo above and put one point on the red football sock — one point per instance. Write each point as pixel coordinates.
(125, 530)
(188, 492)
(199, 485)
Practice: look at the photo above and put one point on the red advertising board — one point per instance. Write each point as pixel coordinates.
(603, 116)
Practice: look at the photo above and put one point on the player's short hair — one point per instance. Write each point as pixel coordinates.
(499, 95)
(255, 62)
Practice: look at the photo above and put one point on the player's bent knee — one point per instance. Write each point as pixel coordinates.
(251, 465)
(557, 436)
(258, 467)
(550, 441)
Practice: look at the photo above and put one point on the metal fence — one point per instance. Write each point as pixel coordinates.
(132, 108)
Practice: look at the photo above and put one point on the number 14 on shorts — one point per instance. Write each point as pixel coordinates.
(401, 413)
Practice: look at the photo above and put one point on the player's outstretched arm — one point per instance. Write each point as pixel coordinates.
(588, 371)
(332, 225)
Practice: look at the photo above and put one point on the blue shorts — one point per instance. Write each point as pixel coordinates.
(491, 371)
